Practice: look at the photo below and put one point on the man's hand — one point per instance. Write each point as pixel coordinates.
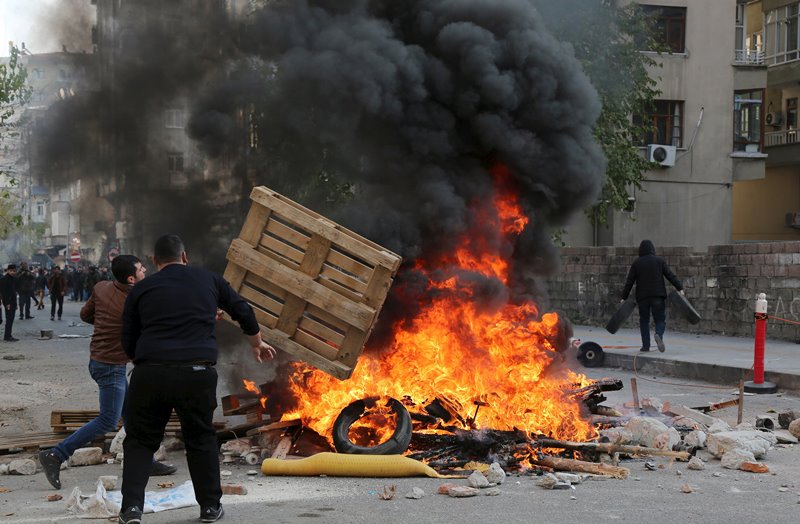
(261, 350)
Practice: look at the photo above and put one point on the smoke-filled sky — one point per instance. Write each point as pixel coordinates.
(408, 104)
(45, 25)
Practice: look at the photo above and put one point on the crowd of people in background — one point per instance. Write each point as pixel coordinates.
(23, 287)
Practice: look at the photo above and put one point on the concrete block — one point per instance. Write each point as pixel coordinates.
(86, 457)
(22, 467)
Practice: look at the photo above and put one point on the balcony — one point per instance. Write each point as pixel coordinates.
(783, 147)
(748, 57)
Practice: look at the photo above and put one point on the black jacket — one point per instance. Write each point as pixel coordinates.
(170, 316)
(25, 280)
(648, 272)
(8, 291)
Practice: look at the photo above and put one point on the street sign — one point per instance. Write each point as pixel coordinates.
(75, 256)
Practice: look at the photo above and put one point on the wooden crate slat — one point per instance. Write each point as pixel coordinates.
(315, 286)
(254, 224)
(346, 264)
(300, 285)
(319, 347)
(284, 251)
(281, 340)
(343, 279)
(315, 223)
(321, 331)
(281, 230)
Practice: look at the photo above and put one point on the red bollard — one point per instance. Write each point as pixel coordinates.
(758, 385)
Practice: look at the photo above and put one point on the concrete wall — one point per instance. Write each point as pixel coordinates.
(721, 284)
(755, 221)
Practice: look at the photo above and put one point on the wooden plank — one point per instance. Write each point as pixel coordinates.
(285, 250)
(265, 285)
(321, 331)
(290, 314)
(283, 447)
(313, 312)
(316, 345)
(341, 290)
(338, 259)
(314, 223)
(378, 287)
(262, 301)
(282, 341)
(693, 414)
(344, 279)
(283, 231)
(351, 347)
(235, 276)
(301, 285)
(254, 224)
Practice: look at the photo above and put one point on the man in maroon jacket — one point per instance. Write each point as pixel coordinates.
(106, 365)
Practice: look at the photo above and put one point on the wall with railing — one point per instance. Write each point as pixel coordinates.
(782, 138)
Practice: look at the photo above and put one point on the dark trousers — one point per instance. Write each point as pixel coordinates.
(59, 300)
(658, 307)
(25, 304)
(10, 316)
(152, 394)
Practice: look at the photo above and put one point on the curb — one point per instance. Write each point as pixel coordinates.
(718, 374)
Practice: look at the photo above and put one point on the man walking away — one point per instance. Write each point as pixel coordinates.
(648, 272)
(106, 366)
(57, 285)
(168, 331)
(25, 281)
(8, 294)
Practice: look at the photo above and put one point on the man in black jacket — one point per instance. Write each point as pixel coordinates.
(168, 331)
(648, 272)
(25, 281)
(8, 292)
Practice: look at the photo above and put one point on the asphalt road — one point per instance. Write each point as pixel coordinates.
(53, 375)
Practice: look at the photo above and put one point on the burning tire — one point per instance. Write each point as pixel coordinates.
(396, 445)
(591, 355)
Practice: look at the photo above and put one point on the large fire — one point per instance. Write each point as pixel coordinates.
(489, 366)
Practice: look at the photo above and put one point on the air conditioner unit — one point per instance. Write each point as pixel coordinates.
(774, 118)
(662, 155)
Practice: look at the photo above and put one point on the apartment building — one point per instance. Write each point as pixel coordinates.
(768, 208)
(707, 128)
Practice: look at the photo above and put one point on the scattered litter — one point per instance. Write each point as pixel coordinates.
(415, 493)
(164, 485)
(14, 357)
(696, 464)
(234, 489)
(686, 488)
(103, 504)
(389, 492)
(492, 492)
(650, 465)
(462, 492)
(73, 336)
(252, 472)
(4, 490)
(54, 497)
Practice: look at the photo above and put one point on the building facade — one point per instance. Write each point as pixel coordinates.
(708, 130)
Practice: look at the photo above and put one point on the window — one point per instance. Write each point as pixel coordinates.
(791, 113)
(669, 25)
(174, 118)
(175, 162)
(782, 34)
(747, 121)
(39, 210)
(664, 124)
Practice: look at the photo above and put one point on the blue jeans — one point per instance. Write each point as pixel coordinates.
(658, 306)
(113, 386)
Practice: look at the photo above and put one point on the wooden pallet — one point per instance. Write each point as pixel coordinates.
(316, 287)
(29, 441)
(67, 421)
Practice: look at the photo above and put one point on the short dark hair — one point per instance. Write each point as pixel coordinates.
(168, 248)
(124, 266)
(11, 266)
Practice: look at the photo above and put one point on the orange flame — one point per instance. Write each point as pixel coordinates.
(491, 365)
(252, 387)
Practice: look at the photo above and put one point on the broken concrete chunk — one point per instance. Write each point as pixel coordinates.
(794, 428)
(719, 426)
(734, 458)
(686, 488)
(415, 493)
(478, 480)
(86, 457)
(786, 417)
(492, 492)
(171, 443)
(547, 481)
(784, 437)
(696, 439)
(160, 454)
(109, 482)
(756, 442)
(22, 467)
(645, 431)
(569, 478)
(462, 491)
(617, 435)
(445, 488)
(237, 447)
(696, 464)
(116, 443)
(495, 475)
(3, 469)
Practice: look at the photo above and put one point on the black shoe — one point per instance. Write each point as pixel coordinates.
(660, 343)
(28, 318)
(59, 319)
(132, 515)
(12, 339)
(158, 469)
(22, 318)
(644, 350)
(52, 318)
(51, 466)
(211, 514)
